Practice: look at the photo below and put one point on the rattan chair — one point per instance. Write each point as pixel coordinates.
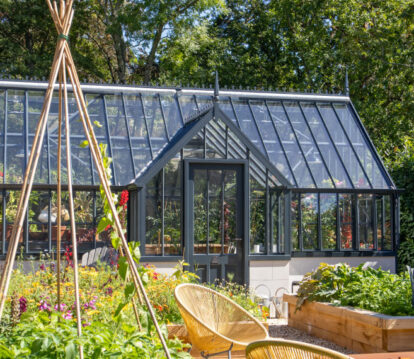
(215, 323)
(289, 349)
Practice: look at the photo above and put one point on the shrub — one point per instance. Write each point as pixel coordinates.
(366, 288)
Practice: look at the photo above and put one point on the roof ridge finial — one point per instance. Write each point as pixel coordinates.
(346, 81)
(216, 88)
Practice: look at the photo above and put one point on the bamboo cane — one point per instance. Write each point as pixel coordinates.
(98, 163)
(59, 188)
(72, 210)
(28, 179)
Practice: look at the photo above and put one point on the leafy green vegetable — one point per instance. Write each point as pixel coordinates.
(366, 288)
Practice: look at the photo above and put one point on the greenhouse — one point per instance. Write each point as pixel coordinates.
(231, 181)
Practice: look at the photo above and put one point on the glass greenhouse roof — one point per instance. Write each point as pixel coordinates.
(314, 141)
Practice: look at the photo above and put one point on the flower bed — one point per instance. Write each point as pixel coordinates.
(32, 324)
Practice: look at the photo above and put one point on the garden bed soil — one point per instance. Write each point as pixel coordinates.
(361, 331)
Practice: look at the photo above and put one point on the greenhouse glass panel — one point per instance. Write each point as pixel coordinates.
(155, 121)
(227, 107)
(247, 124)
(173, 207)
(326, 147)
(294, 220)
(345, 220)
(309, 220)
(188, 105)
(365, 209)
(2, 134)
(172, 114)
(290, 145)
(257, 216)
(328, 209)
(346, 151)
(203, 101)
(153, 219)
(387, 224)
(308, 146)
(15, 149)
(271, 142)
(137, 127)
(360, 143)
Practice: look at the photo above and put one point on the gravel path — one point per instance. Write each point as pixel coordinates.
(278, 328)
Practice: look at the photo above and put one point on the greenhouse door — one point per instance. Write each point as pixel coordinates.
(215, 215)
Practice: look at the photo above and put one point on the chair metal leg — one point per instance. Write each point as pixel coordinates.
(228, 351)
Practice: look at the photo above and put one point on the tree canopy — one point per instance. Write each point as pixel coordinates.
(291, 44)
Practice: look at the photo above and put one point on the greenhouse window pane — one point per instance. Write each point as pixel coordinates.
(294, 220)
(257, 217)
(345, 150)
(387, 243)
(188, 105)
(155, 121)
(327, 149)
(365, 208)
(309, 220)
(227, 108)
(81, 162)
(171, 113)
(195, 147)
(273, 148)
(361, 146)
(311, 152)
(123, 166)
(345, 220)
(203, 101)
(247, 123)
(290, 145)
(172, 207)
(328, 207)
(137, 129)
(153, 219)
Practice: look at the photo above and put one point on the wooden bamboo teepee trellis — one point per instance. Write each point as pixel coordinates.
(63, 66)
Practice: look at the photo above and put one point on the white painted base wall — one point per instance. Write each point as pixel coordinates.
(268, 276)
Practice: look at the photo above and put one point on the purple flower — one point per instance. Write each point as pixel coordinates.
(44, 305)
(23, 304)
(109, 291)
(86, 324)
(90, 305)
(67, 315)
(62, 307)
(42, 267)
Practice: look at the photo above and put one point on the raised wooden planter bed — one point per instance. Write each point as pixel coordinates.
(361, 331)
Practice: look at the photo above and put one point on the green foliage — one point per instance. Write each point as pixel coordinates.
(42, 335)
(366, 288)
(406, 255)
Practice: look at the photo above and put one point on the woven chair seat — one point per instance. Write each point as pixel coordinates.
(289, 349)
(214, 322)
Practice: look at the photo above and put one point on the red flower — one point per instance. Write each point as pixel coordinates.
(124, 198)
(107, 227)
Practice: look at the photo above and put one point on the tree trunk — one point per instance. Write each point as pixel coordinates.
(151, 57)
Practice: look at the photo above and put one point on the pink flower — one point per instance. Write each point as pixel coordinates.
(62, 307)
(67, 315)
(86, 324)
(44, 306)
(42, 267)
(23, 304)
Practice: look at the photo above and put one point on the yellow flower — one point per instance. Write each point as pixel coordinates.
(92, 312)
